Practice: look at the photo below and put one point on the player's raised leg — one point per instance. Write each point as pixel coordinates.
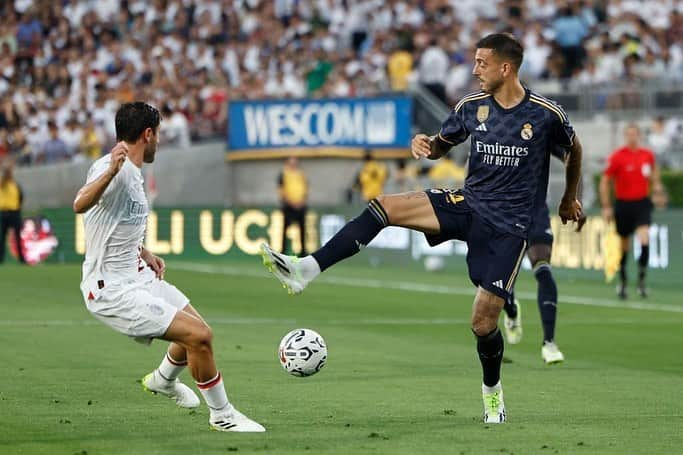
(195, 336)
(411, 210)
(490, 346)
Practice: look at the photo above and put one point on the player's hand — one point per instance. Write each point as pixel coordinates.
(570, 210)
(659, 198)
(118, 156)
(582, 220)
(421, 147)
(607, 214)
(155, 263)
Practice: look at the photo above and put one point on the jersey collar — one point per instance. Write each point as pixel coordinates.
(519, 105)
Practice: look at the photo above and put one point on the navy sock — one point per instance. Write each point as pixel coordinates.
(642, 261)
(547, 299)
(355, 235)
(490, 349)
(510, 307)
(622, 267)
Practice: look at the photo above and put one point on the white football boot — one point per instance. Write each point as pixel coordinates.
(551, 353)
(233, 420)
(182, 394)
(285, 268)
(512, 328)
(494, 408)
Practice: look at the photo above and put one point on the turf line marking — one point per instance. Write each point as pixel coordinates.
(427, 288)
(243, 321)
(288, 321)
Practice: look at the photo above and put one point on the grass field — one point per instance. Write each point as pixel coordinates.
(402, 375)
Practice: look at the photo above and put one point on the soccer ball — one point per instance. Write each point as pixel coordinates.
(302, 352)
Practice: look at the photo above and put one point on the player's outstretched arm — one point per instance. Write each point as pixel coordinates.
(90, 194)
(570, 207)
(431, 147)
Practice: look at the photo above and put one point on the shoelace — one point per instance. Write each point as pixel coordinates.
(492, 401)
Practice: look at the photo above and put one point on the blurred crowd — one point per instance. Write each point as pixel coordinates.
(65, 66)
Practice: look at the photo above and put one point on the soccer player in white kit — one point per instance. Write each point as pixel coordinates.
(123, 283)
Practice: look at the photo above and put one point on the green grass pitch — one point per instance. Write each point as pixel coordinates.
(402, 375)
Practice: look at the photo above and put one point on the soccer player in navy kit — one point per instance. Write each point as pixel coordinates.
(540, 244)
(512, 132)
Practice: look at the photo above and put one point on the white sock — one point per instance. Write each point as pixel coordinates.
(169, 369)
(495, 388)
(214, 393)
(309, 268)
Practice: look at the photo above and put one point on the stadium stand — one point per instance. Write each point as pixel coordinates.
(73, 63)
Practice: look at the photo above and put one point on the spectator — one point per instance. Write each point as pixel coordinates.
(372, 177)
(570, 30)
(10, 210)
(405, 177)
(175, 127)
(446, 174)
(433, 69)
(293, 190)
(54, 150)
(658, 138)
(400, 66)
(91, 144)
(88, 56)
(72, 136)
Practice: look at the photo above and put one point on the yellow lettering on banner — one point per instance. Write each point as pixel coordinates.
(224, 242)
(80, 234)
(591, 237)
(311, 231)
(152, 243)
(177, 232)
(242, 224)
(277, 222)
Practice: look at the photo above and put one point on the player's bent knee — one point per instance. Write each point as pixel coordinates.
(201, 338)
(483, 326)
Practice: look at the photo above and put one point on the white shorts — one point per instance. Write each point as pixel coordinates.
(141, 310)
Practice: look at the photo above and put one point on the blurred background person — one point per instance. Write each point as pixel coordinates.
(91, 144)
(54, 149)
(10, 210)
(405, 177)
(634, 172)
(372, 177)
(445, 173)
(293, 190)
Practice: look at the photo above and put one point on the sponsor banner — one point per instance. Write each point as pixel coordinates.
(382, 122)
(38, 241)
(215, 233)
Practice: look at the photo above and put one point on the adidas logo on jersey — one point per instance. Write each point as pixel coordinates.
(482, 127)
(498, 284)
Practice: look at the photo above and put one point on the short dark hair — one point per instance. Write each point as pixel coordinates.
(132, 119)
(504, 45)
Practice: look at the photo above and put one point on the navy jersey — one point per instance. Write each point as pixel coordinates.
(509, 155)
(541, 195)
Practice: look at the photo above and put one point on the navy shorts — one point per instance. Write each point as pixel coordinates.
(540, 231)
(493, 256)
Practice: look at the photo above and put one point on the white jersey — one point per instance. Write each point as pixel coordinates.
(115, 229)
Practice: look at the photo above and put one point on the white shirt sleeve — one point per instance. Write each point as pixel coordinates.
(98, 168)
